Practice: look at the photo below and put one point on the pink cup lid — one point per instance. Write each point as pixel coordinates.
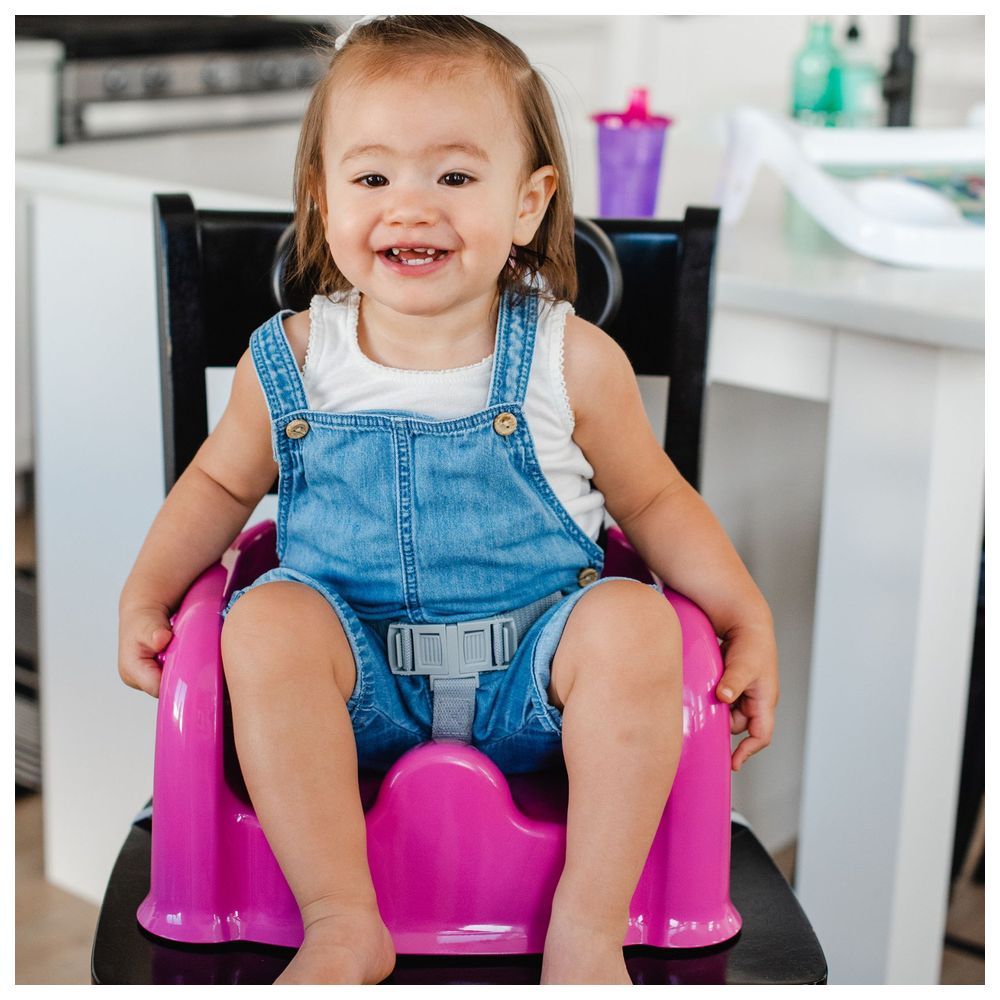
(636, 115)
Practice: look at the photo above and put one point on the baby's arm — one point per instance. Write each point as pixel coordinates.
(202, 514)
(671, 527)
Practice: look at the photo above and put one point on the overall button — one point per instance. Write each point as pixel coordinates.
(297, 429)
(587, 576)
(505, 423)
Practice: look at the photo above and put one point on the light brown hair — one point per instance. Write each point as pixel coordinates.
(441, 43)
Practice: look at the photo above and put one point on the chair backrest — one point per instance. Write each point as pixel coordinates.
(216, 284)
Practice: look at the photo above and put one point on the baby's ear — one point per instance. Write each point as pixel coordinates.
(536, 194)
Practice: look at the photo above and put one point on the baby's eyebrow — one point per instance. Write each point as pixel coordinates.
(469, 148)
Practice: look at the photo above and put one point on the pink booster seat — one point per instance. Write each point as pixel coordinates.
(464, 859)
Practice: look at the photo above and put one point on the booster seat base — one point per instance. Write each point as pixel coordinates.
(464, 859)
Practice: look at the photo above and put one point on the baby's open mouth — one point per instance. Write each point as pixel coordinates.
(413, 256)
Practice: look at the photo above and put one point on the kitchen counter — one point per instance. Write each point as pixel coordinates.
(895, 355)
(778, 260)
(213, 163)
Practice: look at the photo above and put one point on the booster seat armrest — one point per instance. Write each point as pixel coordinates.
(702, 672)
(620, 559)
(251, 554)
(191, 683)
(192, 664)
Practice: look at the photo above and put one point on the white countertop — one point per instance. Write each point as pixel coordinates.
(222, 167)
(774, 260)
(777, 259)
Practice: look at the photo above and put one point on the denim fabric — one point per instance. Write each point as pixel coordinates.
(514, 723)
(392, 515)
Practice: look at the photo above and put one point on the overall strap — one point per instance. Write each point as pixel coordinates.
(515, 345)
(276, 367)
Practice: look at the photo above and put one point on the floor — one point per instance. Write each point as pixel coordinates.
(54, 929)
(966, 924)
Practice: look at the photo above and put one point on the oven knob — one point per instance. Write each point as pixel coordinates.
(215, 77)
(268, 72)
(155, 80)
(116, 80)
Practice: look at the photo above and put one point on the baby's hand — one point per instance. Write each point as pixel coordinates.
(143, 632)
(750, 685)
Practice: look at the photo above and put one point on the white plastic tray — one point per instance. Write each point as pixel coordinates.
(887, 219)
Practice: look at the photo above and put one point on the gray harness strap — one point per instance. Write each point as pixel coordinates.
(454, 655)
(454, 700)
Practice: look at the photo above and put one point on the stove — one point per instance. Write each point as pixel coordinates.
(138, 75)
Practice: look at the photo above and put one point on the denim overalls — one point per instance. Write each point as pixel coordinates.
(397, 517)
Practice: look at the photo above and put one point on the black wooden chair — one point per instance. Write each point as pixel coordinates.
(648, 283)
(217, 282)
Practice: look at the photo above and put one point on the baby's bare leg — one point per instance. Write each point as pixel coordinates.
(290, 671)
(617, 677)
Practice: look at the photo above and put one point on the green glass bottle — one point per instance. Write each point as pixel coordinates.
(860, 83)
(816, 98)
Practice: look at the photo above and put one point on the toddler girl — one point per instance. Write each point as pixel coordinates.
(449, 436)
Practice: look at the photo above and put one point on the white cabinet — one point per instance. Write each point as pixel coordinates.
(36, 95)
(23, 422)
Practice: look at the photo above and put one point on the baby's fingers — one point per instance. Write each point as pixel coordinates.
(159, 641)
(145, 634)
(734, 681)
(761, 729)
(143, 674)
(746, 749)
(738, 721)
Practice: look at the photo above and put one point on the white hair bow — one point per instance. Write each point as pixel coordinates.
(367, 19)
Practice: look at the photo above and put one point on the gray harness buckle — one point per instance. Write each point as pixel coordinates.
(463, 649)
(453, 656)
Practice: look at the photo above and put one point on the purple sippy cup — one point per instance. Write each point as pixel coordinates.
(630, 147)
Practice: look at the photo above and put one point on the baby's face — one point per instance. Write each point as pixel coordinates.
(426, 188)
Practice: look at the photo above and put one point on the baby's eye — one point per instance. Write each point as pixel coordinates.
(456, 179)
(373, 180)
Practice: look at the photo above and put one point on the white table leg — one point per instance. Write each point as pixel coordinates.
(896, 591)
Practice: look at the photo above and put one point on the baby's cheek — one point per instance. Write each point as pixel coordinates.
(346, 251)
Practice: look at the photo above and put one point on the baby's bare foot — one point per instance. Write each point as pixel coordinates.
(348, 946)
(578, 954)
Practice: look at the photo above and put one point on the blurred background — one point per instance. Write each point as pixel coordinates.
(810, 312)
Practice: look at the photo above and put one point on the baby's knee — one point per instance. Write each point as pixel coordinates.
(281, 627)
(627, 634)
(626, 615)
(261, 615)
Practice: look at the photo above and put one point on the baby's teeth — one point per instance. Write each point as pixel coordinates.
(415, 261)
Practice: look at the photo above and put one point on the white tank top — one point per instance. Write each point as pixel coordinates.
(339, 378)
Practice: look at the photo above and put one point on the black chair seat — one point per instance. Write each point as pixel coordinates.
(776, 946)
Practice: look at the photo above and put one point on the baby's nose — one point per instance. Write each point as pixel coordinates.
(411, 208)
